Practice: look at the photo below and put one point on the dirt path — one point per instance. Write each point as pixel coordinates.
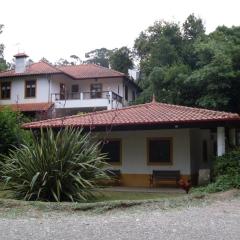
(220, 220)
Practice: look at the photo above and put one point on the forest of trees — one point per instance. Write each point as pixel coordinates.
(179, 63)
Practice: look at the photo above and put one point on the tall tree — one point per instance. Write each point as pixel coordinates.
(193, 28)
(62, 62)
(193, 31)
(3, 63)
(158, 46)
(98, 56)
(45, 60)
(75, 60)
(183, 65)
(218, 73)
(121, 60)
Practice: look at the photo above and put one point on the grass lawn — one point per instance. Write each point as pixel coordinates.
(112, 195)
(102, 195)
(106, 200)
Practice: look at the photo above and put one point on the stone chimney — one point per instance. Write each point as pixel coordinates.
(20, 62)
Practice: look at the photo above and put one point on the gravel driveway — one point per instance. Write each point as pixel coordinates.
(220, 220)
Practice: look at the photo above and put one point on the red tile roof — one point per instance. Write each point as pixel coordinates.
(83, 71)
(18, 55)
(33, 69)
(29, 107)
(144, 114)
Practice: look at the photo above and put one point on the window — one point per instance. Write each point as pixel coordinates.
(75, 88)
(75, 92)
(204, 151)
(96, 90)
(5, 90)
(62, 91)
(30, 88)
(112, 148)
(159, 151)
(126, 92)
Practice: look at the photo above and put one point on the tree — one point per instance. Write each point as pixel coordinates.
(3, 63)
(121, 60)
(193, 28)
(62, 62)
(10, 130)
(76, 60)
(158, 46)
(183, 65)
(193, 31)
(45, 60)
(218, 70)
(98, 56)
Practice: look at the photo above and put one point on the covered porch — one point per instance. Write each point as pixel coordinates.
(135, 155)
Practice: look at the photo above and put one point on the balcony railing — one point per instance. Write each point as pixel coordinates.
(86, 96)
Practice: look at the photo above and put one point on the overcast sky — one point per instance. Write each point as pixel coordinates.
(60, 28)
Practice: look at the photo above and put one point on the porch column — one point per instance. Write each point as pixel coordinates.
(232, 136)
(220, 141)
(110, 105)
(81, 95)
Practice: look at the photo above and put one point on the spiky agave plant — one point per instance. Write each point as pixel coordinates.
(62, 166)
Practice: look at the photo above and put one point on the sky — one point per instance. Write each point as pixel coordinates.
(56, 29)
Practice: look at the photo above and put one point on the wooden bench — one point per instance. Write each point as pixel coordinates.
(167, 175)
(115, 176)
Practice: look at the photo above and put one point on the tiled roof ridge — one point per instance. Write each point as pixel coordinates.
(196, 108)
(147, 105)
(109, 69)
(50, 65)
(91, 113)
(93, 64)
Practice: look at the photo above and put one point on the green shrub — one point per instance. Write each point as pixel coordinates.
(222, 183)
(63, 166)
(228, 164)
(11, 133)
(226, 173)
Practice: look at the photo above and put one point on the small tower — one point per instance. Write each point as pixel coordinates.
(21, 62)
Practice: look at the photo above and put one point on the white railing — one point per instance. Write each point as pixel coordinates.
(108, 99)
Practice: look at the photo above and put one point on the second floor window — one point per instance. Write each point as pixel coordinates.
(30, 89)
(75, 88)
(96, 90)
(5, 90)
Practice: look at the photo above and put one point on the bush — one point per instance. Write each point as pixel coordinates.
(10, 130)
(228, 164)
(222, 183)
(63, 166)
(226, 173)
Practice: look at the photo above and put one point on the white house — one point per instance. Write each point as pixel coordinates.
(46, 90)
(155, 136)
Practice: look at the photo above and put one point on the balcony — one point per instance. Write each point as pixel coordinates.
(104, 99)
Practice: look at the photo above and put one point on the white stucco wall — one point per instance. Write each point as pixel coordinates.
(47, 86)
(18, 91)
(108, 84)
(134, 150)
